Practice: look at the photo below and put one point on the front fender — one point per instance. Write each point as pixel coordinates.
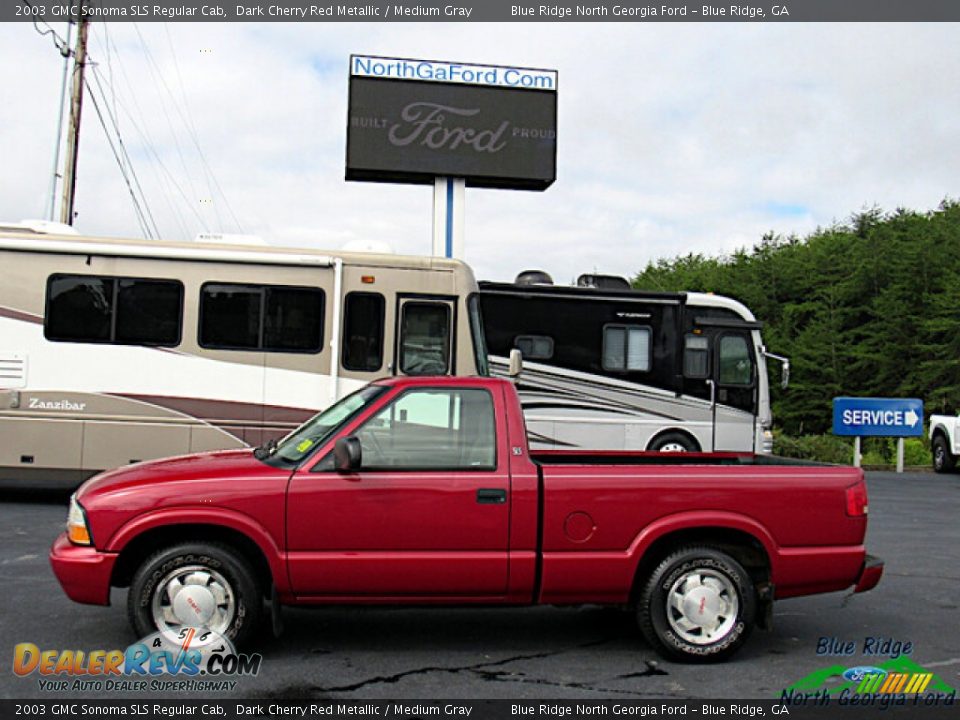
(941, 428)
(170, 517)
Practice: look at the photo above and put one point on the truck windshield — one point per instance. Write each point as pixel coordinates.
(304, 440)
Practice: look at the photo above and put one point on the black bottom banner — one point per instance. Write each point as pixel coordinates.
(476, 709)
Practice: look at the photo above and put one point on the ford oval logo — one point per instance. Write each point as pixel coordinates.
(856, 674)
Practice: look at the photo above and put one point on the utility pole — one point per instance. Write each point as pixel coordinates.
(73, 134)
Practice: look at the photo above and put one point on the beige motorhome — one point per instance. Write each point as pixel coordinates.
(114, 351)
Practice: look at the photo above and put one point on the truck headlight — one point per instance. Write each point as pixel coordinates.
(77, 530)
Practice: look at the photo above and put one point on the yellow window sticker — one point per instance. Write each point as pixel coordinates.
(304, 445)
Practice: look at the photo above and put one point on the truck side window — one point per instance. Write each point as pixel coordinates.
(696, 356)
(626, 348)
(432, 429)
(363, 314)
(425, 338)
(735, 365)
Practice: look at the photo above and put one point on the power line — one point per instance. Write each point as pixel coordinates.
(165, 177)
(141, 217)
(106, 110)
(63, 46)
(158, 80)
(195, 135)
(132, 109)
(123, 150)
(184, 117)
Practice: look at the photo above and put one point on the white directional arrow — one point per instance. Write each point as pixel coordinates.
(911, 417)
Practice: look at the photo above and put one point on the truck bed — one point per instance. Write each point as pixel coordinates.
(622, 457)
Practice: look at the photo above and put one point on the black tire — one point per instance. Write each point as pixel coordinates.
(674, 442)
(944, 461)
(222, 560)
(660, 622)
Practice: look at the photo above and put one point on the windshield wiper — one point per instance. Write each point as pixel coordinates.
(266, 450)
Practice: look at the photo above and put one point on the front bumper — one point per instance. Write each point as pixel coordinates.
(870, 574)
(84, 572)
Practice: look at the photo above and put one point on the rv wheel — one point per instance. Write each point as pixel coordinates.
(673, 442)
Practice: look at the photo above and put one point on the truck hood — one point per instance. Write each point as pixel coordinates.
(210, 466)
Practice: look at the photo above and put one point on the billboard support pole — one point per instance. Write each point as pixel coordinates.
(900, 455)
(449, 200)
(856, 451)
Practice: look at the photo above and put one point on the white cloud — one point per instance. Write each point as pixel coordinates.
(672, 138)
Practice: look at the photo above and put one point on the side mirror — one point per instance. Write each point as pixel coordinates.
(347, 455)
(516, 363)
(784, 366)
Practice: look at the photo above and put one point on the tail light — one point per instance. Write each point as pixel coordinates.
(857, 500)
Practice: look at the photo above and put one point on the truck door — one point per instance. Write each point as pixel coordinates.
(425, 516)
(425, 335)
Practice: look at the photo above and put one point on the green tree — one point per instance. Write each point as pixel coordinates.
(869, 307)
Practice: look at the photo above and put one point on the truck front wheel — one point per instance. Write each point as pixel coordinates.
(943, 460)
(203, 585)
(698, 605)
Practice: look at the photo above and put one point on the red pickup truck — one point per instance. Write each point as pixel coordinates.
(423, 491)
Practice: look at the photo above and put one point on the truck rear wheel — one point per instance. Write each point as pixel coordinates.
(206, 585)
(698, 605)
(944, 461)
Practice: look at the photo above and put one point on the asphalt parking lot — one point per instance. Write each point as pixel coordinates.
(586, 653)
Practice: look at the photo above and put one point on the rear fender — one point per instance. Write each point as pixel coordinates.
(702, 520)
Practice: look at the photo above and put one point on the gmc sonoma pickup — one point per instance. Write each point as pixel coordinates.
(423, 491)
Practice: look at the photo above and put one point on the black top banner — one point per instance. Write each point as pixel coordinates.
(482, 11)
(630, 708)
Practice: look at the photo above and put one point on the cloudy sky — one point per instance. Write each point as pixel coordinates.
(672, 137)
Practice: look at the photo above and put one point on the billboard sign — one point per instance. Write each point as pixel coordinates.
(411, 121)
(882, 417)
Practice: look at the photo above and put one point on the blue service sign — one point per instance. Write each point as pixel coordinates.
(882, 417)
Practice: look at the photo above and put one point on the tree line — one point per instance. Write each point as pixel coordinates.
(870, 307)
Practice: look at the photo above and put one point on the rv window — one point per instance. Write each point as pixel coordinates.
(230, 317)
(261, 317)
(735, 365)
(148, 312)
(626, 348)
(534, 347)
(696, 356)
(116, 310)
(294, 320)
(425, 339)
(363, 315)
